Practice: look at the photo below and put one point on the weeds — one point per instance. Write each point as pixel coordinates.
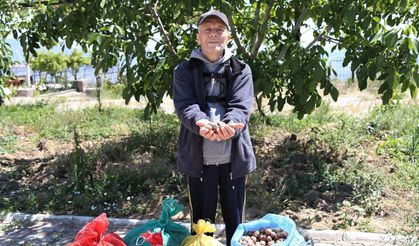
(80, 173)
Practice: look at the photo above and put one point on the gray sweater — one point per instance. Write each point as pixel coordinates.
(215, 152)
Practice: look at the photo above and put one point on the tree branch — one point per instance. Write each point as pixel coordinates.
(37, 3)
(162, 30)
(297, 26)
(326, 30)
(256, 22)
(236, 38)
(333, 40)
(263, 29)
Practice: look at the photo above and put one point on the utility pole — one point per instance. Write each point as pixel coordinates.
(28, 75)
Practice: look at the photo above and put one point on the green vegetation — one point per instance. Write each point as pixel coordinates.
(379, 40)
(121, 164)
(47, 62)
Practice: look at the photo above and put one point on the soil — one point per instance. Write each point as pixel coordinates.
(32, 159)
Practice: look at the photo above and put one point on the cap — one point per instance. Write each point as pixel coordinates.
(214, 13)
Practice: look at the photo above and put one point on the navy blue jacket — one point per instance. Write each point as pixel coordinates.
(190, 104)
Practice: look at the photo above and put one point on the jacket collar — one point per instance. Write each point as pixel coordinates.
(236, 65)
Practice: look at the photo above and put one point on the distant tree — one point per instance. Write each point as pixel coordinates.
(39, 63)
(77, 60)
(49, 62)
(6, 62)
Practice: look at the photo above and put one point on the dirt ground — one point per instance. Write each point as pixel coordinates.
(350, 101)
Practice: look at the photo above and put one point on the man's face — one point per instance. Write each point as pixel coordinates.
(213, 36)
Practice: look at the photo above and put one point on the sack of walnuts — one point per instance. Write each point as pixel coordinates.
(172, 233)
(200, 239)
(272, 230)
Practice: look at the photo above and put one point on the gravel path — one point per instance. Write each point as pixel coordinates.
(41, 229)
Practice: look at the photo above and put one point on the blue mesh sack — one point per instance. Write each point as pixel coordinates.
(294, 238)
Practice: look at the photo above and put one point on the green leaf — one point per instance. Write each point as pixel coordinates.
(280, 103)
(379, 61)
(392, 79)
(376, 36)
(376, 19)
(362, 77)
(413, 91)
(318, 72)
(416, 78)
(349, 16)
(127, 94)
(310, 105)
(346, 61)
(405, 85)
(390, 39)
(383, 87)
(298, 85)
(413, 45)
(147, 112)
(365, 25)
(102, 3)
(327, 89)
(92, 37)
(319, 101)
(372, 71)
(120, 30)
(294, 65)
(69, 42)
(98, 66)
(383, 76)
(355, 64)
(388, 94)
(334, 93)
(413, 30)
(362, 84)
(271, 103)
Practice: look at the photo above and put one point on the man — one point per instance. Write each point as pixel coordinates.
(213, 96)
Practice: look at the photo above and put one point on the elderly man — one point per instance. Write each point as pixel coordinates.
(213, 96)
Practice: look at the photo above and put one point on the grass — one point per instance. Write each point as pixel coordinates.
(91, 124)
(110, 91)
(327, 156)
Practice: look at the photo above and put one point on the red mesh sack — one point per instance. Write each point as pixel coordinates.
(93, 234)
(155, 239)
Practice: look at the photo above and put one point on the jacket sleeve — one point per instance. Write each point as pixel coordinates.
(240, 104)
(184, 99)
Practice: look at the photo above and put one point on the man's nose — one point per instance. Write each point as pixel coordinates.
(213, 33)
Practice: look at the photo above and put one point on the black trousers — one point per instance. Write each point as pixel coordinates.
(203, 196)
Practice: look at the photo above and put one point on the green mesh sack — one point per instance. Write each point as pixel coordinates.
(172, 233)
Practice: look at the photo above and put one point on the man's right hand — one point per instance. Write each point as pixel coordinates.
(205, 129)
(226, 131)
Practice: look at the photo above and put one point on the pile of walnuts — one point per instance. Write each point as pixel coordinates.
(264, 236)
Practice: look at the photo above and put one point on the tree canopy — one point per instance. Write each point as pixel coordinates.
(380, 40)
(49, 62)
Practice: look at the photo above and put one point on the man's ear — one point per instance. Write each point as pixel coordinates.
(197, 39)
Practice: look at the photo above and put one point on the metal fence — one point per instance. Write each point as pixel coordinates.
(343, 73)
(87, 73)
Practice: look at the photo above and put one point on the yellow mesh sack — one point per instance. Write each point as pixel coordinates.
(200, 239)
